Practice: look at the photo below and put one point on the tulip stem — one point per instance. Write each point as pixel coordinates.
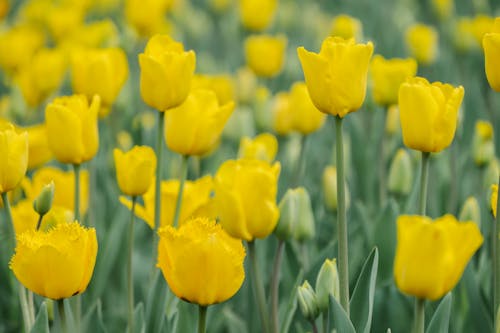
(419, 315)
(76, 168)
(62, 315)
(299, 164)
(422, 201)
(314, 327)
(258, 288)
(130, 269)
(159, 165)
(496, 263)
(183, 176)
(39, 223)
(275, 282)
(202, 318)
(326, 322)
(341, 220)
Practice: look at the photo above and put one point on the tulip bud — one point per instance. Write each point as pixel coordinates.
(400, 173)
(296, 216)
(483, 148)
(392, 123)
(307, 301)
(330, 188)
(491, 173)
(470, 211)
(43, 202)
(327, 283)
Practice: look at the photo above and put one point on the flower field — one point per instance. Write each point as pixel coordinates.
(249, 166)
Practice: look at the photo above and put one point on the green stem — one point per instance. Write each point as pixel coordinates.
(314, 327)
(202, 318)
(39, 223)
(496, 263)
(130, 269)
(24, 308)
(159, 165)
(183, 176)
(258, 287)
(382, 165)
(275, 281)
(424, 173)
(326, 322)
(299, 164)
(419, 315)
(62, 315)
(76, 168)
(31, 307)
(342, 220)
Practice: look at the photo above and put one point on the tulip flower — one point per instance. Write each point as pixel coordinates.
(135, 169)
(64, 183)
(431, 256)
(265, 54)
(95, 34)
(306, 118)
(428, 113)
(491, 46)
(221, 85)
(22, 43)
(194, 127)
(481, 25)
(282, 116)
(201, 262)
(263, 147)
(483, 147)
(58, 263)
(100, 72)
(147, 17)
(494, 199)
(14, 153)
(387, 75)
(346, 27)
(72, 118)
(422, 42)
(63, 19)
(245, 198)
(443, 8)
(336, 76)
(257, 15)
(166, 72)
(39, 152)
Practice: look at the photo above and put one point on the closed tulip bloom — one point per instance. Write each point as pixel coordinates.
(282, 116)
(100, 72)
(196, 201)
(64, 19)
(265, 54)
(72, 128)
(429, 114)
(443, 8)
(39, 151)
(95, 34)
(491, 46)
(26, 218)
(201, 262)
(14, 154)
(347, 27)
(431, 256)
(257, 15)
(245, 198)
(387, 75)
(166, 72)
(306, 118)
(336, 76)
(21, 42)
(263, 147)
(494, 200)
(481, 25)
(422, 42)
(147, 17)
(58, 263)
(195, 126)
(135, 169)
(64, 183)
(41, 76)
(221, 85)
(483, 147)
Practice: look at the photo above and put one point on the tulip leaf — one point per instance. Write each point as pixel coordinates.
(139, 325)
(156, 304)
(341, 321)
(92, 320)
(364, 293)
(292, 304)
(42, 321)
(440, 321)
(185, 322)
(385, 240)
(481, 322)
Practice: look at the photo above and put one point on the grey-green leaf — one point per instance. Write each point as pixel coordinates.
(440, 321)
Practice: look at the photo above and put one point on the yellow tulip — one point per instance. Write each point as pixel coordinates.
(72, 128)
(100, 72)
(347, 27)
(4, 8)
(222, 85)
(491, 46)
(263, 147)
(64, 183)
(431, 256)
(494, 199)
(21, 43)
(245, 198)
(429, 114)
(39, 152)
(282, 117)
(92, 35)
(464, 39)
(336, 76)
(64, 19)
(147, 17)
(392, 121)
(41, 76)
(201, 262)
(306, 118)
(14, 154)
(483, 147)
(195, 126)
(481, 25)
(58, 263)
(387, 75)
(166, 72)
(265, 54)
(196, 201)
(422, 42)
(443, 8)
(26, 218)
(135, 169)
(257, 15)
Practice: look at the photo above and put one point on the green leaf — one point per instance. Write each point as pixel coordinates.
(42, 321)
(440, 321)
(156, 304)
(478, 312)
(361, 304)
(139, 324)
(340, 321)
(385, 240)
(187, 318)
(292, 304)
(92, 320)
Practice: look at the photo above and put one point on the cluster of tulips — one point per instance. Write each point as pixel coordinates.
(204, 224)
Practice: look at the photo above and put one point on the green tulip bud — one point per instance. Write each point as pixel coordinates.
(307, 301)
(470, 211)
(400, 173)
(296, 216)
(43, 202)
(327, 283)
